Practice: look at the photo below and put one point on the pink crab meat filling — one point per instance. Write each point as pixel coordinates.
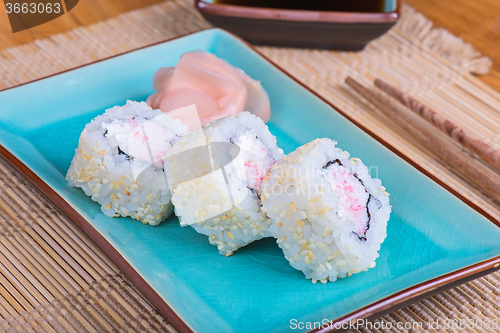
(353, 196)
(148, 142)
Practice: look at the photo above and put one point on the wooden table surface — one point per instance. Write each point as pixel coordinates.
(477, 22)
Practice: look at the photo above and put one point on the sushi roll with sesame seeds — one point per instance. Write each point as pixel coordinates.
(119, 161)
(328, 215)
(215, 175)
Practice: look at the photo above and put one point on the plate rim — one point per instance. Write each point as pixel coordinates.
(298, 15)
(389, 303)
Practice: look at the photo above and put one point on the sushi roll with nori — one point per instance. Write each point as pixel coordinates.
(328, 215)
(215, 175)
(119, 161)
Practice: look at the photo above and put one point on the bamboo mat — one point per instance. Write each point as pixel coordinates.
(53, 278)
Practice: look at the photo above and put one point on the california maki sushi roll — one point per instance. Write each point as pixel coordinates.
(215, 174)
(119, 161)
(328, 215)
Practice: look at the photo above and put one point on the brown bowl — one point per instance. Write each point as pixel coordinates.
(300, 28)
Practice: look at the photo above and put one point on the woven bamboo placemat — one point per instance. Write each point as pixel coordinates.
(54, 278)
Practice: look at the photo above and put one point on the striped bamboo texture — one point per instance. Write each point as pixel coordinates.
(53, 278)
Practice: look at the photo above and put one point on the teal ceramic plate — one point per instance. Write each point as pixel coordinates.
(434, 238)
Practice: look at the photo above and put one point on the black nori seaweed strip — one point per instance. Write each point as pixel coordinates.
(332, 162)
(105, 132)
(121, 152)
(361, 238)
(257, 194)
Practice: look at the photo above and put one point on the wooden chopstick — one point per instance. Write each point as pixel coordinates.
(483, 150)
(468, 168)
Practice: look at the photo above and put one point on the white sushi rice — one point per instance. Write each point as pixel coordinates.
(224, 203)
(328, 215)
(119, 161)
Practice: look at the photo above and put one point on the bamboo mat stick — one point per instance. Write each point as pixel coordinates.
(39, 249)
(87, 244)
(101, 303)
(117, 283)
(93, 323)
(115, 305)
(33, 294)
(63, 227)
(3, 312)
(482, 149)
(9, 302)
(466, 167)
(59, 323)
(90, 256)
(16, 292)
(94, 273)
(50, 246)
(67, 260)
(64, 318)
(57, 281)
(55, 289)
(104, 307)
(21, 250)
(64, 264)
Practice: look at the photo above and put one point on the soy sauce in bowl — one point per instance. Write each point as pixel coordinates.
(326, 24)
(379, 6)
